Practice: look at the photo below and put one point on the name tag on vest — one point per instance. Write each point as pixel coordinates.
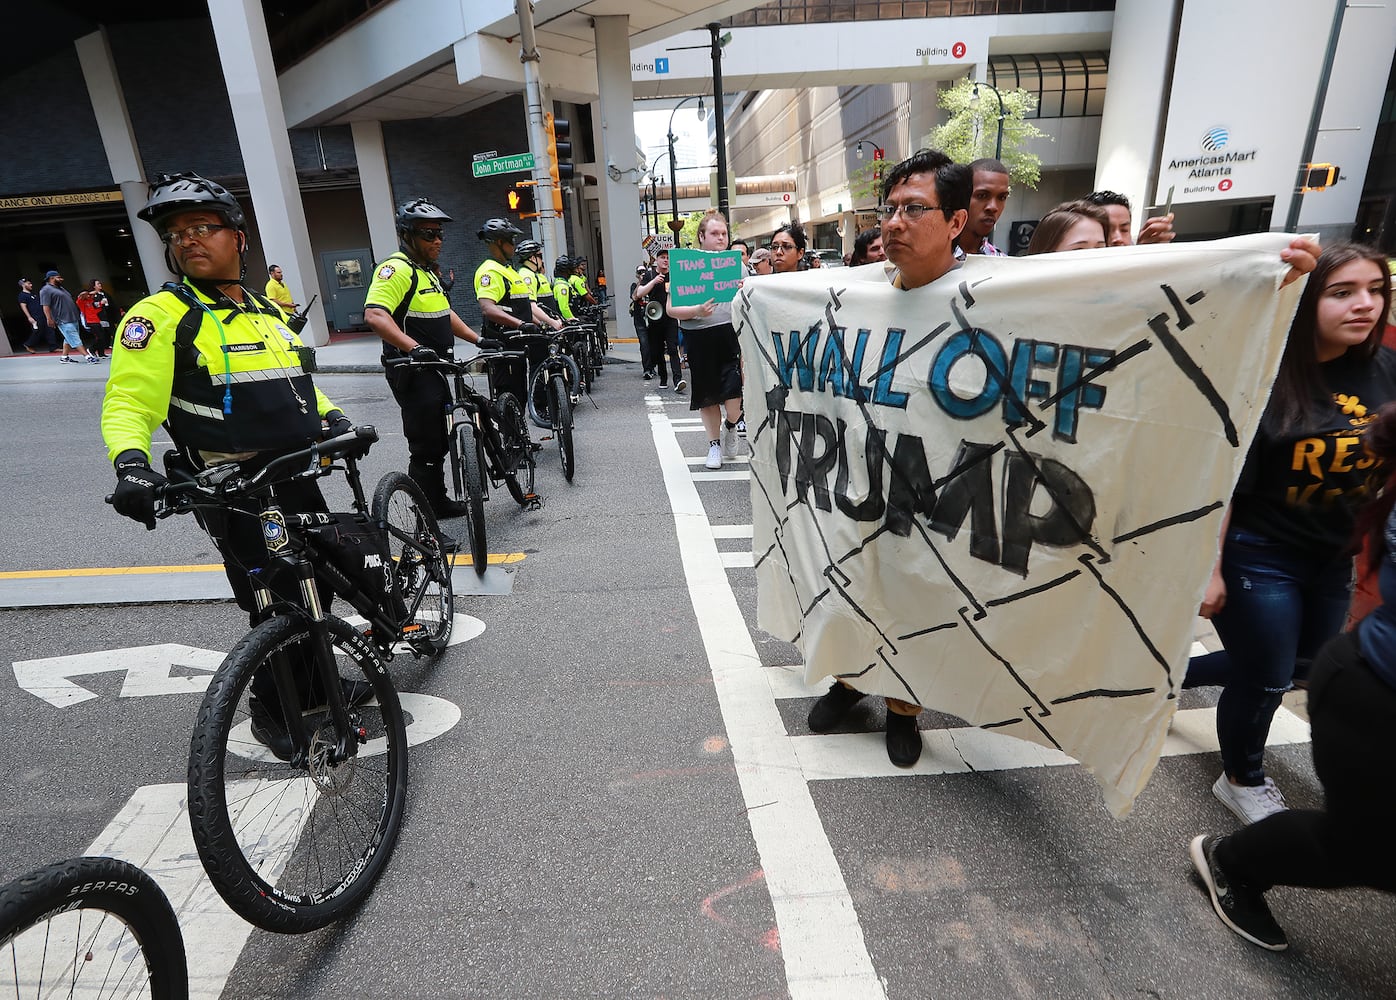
(242, 348)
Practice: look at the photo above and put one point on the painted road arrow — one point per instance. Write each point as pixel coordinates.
(147, 668)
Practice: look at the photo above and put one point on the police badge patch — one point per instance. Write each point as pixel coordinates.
(136, 334)
(484, 280)
(386, 271)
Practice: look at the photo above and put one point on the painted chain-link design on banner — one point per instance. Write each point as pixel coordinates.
(999, 495)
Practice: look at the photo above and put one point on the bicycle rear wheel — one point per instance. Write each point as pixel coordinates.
(538, 399)
(518, 449)
(90, 927)
(421, 569)
(291, 847)
(561, 408)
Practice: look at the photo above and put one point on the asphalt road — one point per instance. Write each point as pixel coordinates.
(584, 829)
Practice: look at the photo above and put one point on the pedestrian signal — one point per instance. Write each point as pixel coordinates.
(520, 201)
(1319, 176)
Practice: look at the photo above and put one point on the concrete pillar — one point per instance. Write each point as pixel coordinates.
(377, 187)
(1142, 43)
(123, 155)
(241, 32)
(88, 258)
(619, 175)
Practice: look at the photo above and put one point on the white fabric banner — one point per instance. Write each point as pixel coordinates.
(999, 495)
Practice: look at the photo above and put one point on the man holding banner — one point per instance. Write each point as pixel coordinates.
(999, 496)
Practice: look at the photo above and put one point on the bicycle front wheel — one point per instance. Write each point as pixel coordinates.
(538, 399)
(518, 448)
(292, 846)
(421, 569)
(561, 404)
(90, 927)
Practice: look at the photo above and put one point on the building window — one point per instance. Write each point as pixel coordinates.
(1067, 84)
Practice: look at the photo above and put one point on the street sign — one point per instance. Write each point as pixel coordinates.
(489, 155)
(517, 163)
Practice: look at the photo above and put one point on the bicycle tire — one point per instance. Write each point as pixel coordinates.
(51, 936)
(518, 449)
(538, 399)
(561, 404)
(262, 856)
(473, 489)
(420, 566)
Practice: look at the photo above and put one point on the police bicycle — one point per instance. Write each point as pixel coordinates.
(90, 927)
(487, 440)
(553, 383)
(298, 762)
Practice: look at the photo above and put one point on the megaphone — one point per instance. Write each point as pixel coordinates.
(654, 311)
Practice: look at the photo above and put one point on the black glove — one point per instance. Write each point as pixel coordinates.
(136, 486)
(529, 328)
(420, 353)
(572, 322)
(488, 344)
(337, 424)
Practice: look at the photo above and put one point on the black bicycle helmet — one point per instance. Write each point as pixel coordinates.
(499, 229)
(418, 210)
(526, 249)
(564, 264)
(175, 193)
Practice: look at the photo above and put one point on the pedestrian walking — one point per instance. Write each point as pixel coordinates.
(1352, 711)
(1280, 589)
(62, 314)
(41, 336)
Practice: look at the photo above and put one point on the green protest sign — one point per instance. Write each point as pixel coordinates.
(695, 276)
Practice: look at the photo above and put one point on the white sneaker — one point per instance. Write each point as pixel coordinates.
(714, 456)
(729, 441)
(1249, 803)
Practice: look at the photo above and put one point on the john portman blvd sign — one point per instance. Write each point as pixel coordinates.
(502, 165)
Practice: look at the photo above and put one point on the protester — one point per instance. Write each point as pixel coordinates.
(1072, 225)
(663, 329)
(761, 262)
(93, 307)
(740, 244)
(714, 359)
(788, 248)
(1280, 589)
(637, 316)
(1158, 229)
(1352, 712)
(988, 199)
(867, 248)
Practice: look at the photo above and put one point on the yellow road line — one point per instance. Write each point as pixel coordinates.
(460, 559)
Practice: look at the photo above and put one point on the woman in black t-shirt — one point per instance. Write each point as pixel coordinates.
(1281, 587)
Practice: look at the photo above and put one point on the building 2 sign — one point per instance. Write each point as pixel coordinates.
(1213, 169)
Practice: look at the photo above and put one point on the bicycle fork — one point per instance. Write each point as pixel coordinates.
(347, 735)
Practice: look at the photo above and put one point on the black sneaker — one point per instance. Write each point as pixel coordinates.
(647, 376)
(270, 731)
(448, 544)
(1241, 908)
(446, 508)
(903, 739)
(830, 709)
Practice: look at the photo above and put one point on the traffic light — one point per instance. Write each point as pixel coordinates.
(520, 200)
(1318, 176)
(559, 150)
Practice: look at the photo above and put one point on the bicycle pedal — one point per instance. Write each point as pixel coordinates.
(532, 501)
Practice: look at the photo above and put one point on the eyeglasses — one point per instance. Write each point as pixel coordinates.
(911, 213)
(430, 235)
(200, 232)
(782, 247)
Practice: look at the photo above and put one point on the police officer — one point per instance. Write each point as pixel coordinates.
(562, 286)
(407, 307)
(579, 281)
(528, 265)
(505, 301)
(217, 364)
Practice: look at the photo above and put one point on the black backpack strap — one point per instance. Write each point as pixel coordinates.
(400, 313)
(188, 327)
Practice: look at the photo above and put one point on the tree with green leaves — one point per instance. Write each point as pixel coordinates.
(972, 129)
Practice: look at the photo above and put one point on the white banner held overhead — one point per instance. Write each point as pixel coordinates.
(999, 495)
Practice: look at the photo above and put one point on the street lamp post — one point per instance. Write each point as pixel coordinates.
(998, 143)
(718, 42)
(879, 154)
(674, 224)
(654, 191)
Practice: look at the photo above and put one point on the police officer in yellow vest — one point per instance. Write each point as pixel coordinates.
(528, 265)
(407, 307)
(562, 286)
(217, 364)
(579, 281)
(505, 302)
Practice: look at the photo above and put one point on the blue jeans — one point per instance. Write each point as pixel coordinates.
(1282, 605)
